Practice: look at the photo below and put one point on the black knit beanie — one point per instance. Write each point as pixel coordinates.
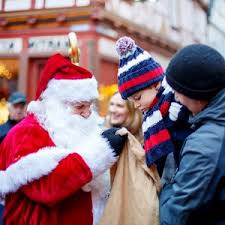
(197, 71)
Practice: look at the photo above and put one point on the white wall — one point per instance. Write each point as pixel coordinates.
(216, 27)
(181, 21)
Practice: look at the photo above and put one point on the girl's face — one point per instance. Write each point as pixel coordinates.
(118, 111)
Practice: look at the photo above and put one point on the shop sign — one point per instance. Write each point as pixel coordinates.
(10, 45)
(46, 44)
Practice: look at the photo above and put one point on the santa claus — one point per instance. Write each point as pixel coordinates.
(53, 164)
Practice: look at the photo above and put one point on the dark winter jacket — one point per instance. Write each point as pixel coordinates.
(1, 214)
(196, 194)
(4, 128)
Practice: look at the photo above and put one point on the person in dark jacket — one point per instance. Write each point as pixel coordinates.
(17, 108)
(196, 194)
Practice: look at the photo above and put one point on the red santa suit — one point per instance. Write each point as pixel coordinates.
(46, 183)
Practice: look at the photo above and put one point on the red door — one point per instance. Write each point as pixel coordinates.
(36, 65)
(108, 72)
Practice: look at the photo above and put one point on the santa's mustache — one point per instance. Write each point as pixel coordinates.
(68, 129)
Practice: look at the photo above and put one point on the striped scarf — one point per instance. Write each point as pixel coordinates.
(158, 123)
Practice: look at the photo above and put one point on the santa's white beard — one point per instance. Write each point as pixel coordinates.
(67, 130)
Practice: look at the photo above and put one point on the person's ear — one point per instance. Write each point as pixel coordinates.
(158, 86)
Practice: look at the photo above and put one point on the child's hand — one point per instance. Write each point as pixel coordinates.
(174, 110)
(178, 112)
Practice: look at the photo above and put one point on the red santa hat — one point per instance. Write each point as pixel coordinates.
(66, 81)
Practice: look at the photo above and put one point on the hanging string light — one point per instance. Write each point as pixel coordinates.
(4, 113)
(4, 72)
(106, 91)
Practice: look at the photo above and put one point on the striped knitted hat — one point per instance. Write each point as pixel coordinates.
(137, 69)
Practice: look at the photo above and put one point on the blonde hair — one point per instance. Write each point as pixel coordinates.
(133, 121)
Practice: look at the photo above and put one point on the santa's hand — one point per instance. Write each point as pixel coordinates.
(116, 141)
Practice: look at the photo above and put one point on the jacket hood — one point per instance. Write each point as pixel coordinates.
(214, 111)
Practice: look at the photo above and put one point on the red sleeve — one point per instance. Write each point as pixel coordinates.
(69, 176)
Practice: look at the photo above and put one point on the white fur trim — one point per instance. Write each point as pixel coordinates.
(96, 153)
(100, 189)
(72, 90)
(152, 120)
(141, 57)
(20, 173)
(34, 107)
(100, 195)
(42, 163)
(99, 155)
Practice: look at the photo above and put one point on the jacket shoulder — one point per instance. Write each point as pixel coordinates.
(27, 130)
(207, 139)
(4, 128)
(28, 124)
(24, 138)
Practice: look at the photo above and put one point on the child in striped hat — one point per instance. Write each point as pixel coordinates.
(141, 80)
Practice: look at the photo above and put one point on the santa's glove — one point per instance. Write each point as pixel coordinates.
(116, 141)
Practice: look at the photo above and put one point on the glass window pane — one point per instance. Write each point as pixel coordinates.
(174, 14)
(39, 4)
(9, 72)
(59, 3)
(13, 5)
(82, 2)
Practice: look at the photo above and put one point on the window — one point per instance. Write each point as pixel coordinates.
(39, 4)
(59, 3)
(9, 72)
(16, 5)
(174, 14)
(82, 2)
(13, 5)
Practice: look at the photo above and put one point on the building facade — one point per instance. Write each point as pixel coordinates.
(216, 25)
(33, 30)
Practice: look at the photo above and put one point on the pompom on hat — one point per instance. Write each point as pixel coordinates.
(66, 81)
(137, 69)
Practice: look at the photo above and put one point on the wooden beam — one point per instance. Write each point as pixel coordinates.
(137, 30)
(40, 12)
(45, 18)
